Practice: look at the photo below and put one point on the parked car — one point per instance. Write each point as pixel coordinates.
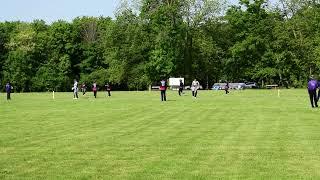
(221, 86)
(216, 87)
(251, 85)
(241, 86)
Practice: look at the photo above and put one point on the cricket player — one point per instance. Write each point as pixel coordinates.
(194, 88)
(94, 89)
(312, 90)
(163, 88)
(108, 89)
(83, 88)
(8, 90)
(181, 86)
(75, 89)
(226, 88)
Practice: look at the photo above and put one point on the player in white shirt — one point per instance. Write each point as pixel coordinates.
(194, 88)
(75, 89)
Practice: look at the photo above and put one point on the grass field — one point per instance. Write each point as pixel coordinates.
(252, 134)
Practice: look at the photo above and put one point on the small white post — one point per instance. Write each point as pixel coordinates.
(278, 92)
(52, 94)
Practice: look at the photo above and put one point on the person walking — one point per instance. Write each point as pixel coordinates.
(181, 86)
(8, 90)
(194, 88)
(226, 88)
(94, 89)
(163, 88)
(312, 91)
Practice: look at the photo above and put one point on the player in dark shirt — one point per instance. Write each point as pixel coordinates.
(227, 88)
(312, 90)
(181, 87)
(83, 88)
(8, 90)
(108, 89)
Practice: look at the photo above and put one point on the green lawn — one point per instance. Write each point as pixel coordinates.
(251, 134)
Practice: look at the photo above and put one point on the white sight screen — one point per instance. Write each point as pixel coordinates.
(175, 81)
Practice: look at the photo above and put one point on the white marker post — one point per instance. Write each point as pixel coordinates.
(52, 94)
(278, 92)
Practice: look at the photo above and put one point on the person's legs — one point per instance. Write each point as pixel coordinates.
(315, 98)
(195, 94)
(8, 96)
(164, 96)
(95, 94)
(161, 92)
(311, 95)
(179, 92)
(109, 93)
(77, 95)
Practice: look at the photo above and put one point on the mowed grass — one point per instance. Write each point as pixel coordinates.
(251, 134)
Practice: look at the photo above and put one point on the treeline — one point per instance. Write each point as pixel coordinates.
(199, 39)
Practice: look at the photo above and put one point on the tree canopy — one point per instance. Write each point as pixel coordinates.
(149, 40)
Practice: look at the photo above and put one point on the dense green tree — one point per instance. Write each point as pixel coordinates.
(6, 31)
(20, 64)
(149, 40)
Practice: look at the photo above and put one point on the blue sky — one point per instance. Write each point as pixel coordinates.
(53, 10)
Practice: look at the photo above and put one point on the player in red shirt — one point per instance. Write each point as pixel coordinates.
(95, 89)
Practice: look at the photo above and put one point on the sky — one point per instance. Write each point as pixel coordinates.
(53, 10)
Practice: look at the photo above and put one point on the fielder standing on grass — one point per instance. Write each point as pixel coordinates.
(108, 89)
(94, 89)
(75, 89)
(194, 88)
(312, 90)
(83, 89)
(163, 88)
(8, 90)
(181, 87)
